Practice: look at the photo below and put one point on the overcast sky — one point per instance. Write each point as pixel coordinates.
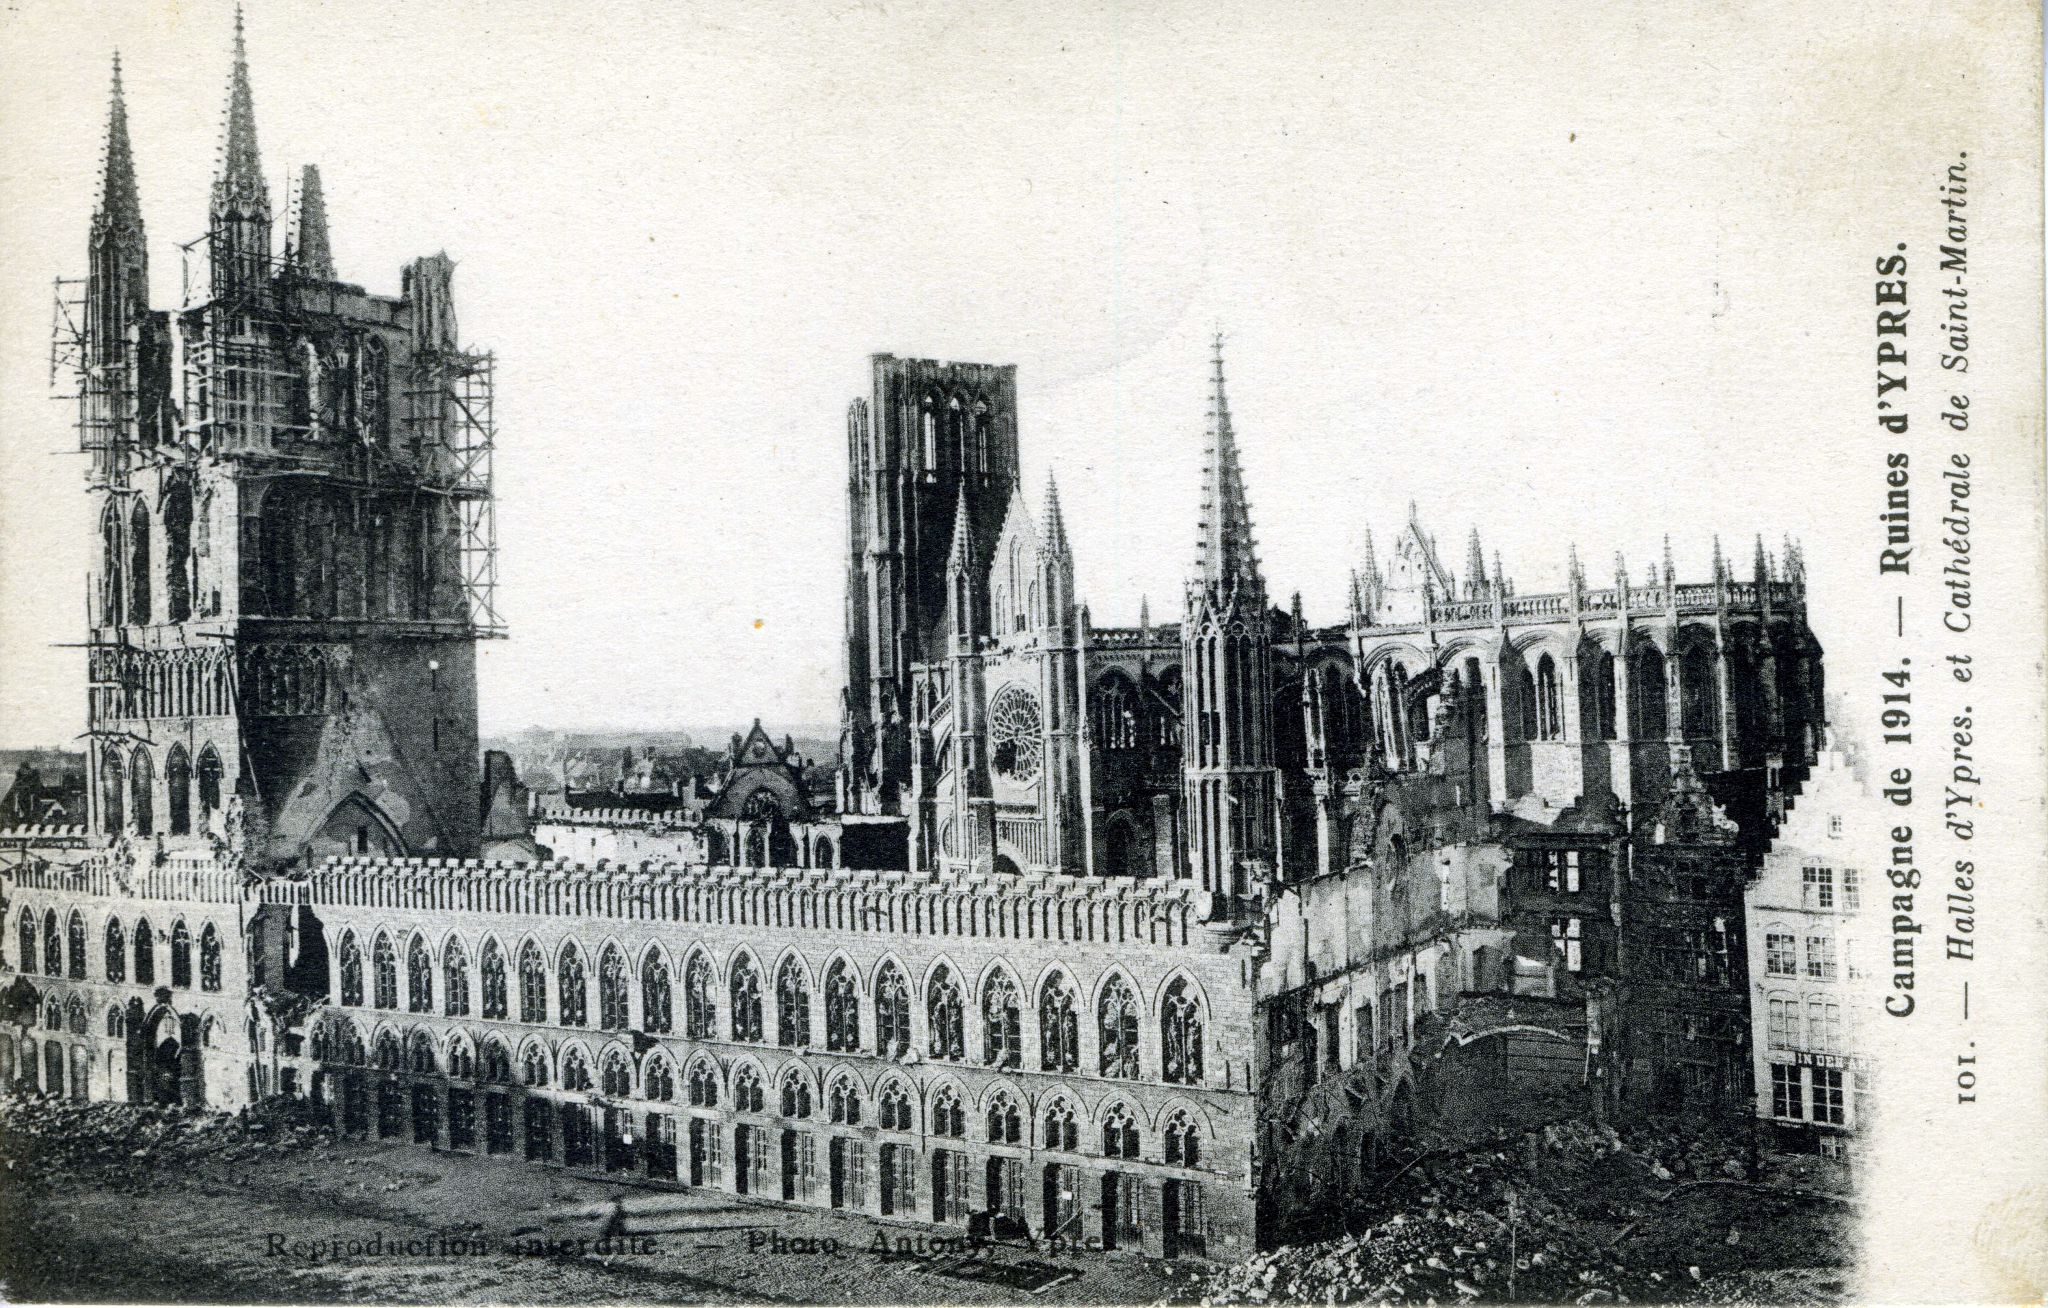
(1530, 267)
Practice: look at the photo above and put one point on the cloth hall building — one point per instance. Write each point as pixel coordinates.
(1158, 937)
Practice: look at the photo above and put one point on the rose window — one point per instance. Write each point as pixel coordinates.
(1014, 729)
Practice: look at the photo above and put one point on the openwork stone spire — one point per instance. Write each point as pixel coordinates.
(120, 207)
(1225, 555)
(238, 188)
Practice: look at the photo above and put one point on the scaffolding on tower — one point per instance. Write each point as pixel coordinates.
(450, 408)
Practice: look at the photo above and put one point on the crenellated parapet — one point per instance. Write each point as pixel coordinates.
(1026, 907)
(191, 879)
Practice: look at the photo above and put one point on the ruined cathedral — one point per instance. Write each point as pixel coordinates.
(1159, 937)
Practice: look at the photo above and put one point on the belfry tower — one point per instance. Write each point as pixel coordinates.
(1226, 648)
(295, 550)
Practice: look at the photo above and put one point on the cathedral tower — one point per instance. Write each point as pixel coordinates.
(931, 438)
(1226, 648)
(295, 538)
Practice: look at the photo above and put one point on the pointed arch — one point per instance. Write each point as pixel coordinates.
(74, 946)
(209, 959)
(495, 993)
(419, 974)
(209, 784)
(843, 1099)
(945, 1014)
(748, 1082)
(181, 956)
(792, 1002)
(613, 1004)
(1002, 1018)
(1059, 1024)
(178, 790)
(350, 959)
(116, 951)
(743, 990)
(1183, 1023)
(141, 792)
(138, 564)
(796, 1091)
(1059, 1122)
(461, 1056)
(702, 1083)
(700, 996)
(495, 1062)
(572, 986)
(657, 1000)
(615, 1072)
(1116, 1026)
(896, 1104)
(455, 977)
(842, 1005)
(536, 1067)
(533, 982)
(892, 1010)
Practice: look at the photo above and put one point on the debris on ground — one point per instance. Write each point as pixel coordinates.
(44, 1136)
(1573, 1212)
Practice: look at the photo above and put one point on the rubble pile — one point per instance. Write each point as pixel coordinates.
(56, 1137)
(1571, 1212)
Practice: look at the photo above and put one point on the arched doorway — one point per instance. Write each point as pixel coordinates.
(171, 1069)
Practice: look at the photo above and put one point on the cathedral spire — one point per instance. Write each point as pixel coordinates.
(1475, 565)
(120, 207)
(240, 230)
(238, 188)
(961, 558)
(307, 245)
(1225, 556)
(1055, 524)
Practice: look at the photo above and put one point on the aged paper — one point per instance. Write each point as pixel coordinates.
(1085, 653)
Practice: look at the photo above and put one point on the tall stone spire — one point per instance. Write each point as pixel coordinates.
(1225, 557)
(120, 209)
(241, 201)
(1475, 566)
(307, 246)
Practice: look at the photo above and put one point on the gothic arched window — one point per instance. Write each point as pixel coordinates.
(949, 1118)
(1116, 1016)
(892, 1012)
(461, 1062)
(611, 990)
(497, 1005)
(26, 937)
(1060, 1132)
(1549, 707)
(141, 792)
(745, 989)
(1647, 693)
(420, 1058)
(145, 953)
(700, 1005)
(1699, 692)
(1059, 1027)
(1180, 1033)
(53, 945)
(116, 951)
(138, 564)
(1183, 1140)
(796, 1095)
(1116, 714)
(113, 594)
(572, 989)
(792, 1006)
(1005, 1123)
(842, 1009)
(1119, 1134)
(897, 1111)
(178, 786)
(497, 1062)
(181, 956)
(1603, 695)
(703, 1085)
(209, 958)
(209, 783)
(533, 1065)
(1002, 1023)
(113, 792)
(575, 1072)
(656, 1005)
(533, 984)
(944, 1017)
(455, 979)
(419, 975)
(746, 1091)
(178, 554)
(843, 1102)
(351, 971)
(384, 972)
(661, 1080)
(74, 946)
(615, 1075)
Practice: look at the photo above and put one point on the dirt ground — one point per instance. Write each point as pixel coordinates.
(338, 1222)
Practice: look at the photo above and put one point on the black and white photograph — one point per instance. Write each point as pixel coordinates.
(1092, 653)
